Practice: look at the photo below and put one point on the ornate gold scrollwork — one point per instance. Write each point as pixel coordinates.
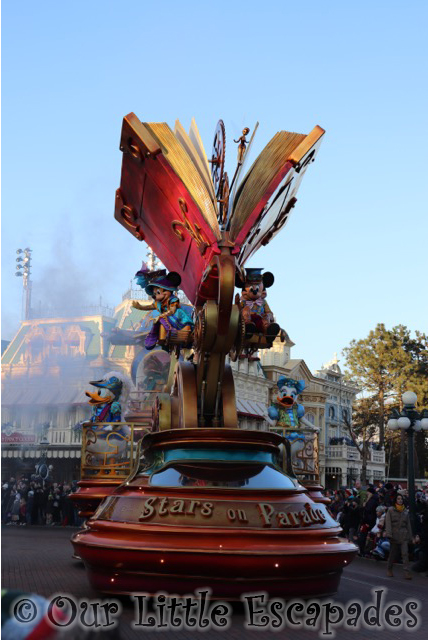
(135, 150)
(195, 232)
(129, 215)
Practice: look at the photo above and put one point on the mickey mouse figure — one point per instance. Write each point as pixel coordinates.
(256, 312)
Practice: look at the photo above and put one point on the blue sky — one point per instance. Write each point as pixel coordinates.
(354, 251)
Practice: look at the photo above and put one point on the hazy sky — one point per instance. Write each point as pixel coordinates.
(355, 250)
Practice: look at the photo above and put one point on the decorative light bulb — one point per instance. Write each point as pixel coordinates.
(409, 398)
(403, 422)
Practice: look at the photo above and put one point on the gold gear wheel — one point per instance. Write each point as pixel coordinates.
(236, 350)
(199, 331)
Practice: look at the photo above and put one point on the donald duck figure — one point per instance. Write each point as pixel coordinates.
(106, 441)
(105, 400)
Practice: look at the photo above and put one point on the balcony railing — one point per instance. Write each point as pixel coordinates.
(345, 452)
(64, 437)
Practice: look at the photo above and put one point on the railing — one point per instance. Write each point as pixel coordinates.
(66, 312)
(135, 294)
(109, 449)
(378, 456)
(346, 452)
(64, 436)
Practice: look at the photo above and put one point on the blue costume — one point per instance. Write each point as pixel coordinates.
(107, 413)
(161, 286)
(287, 412)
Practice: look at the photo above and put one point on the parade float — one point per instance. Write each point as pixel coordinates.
(207, 504)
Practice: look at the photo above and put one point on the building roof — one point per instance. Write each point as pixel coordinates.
(90, 327)
(39, 392)
(251, 408)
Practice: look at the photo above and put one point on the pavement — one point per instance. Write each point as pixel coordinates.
(39, 560)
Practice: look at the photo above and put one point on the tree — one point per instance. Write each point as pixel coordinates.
(369, 362)
(384, 365)
(363, 428)
(411, 373)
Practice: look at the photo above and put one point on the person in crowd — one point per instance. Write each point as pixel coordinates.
(419, 508)
(382, 548)
(55, 507)
(10, 504)
(29, 510)
(22, 512)
(421, 541)
(336, 505)
(361, 493)
(389, 494)
(399, 533)
(16, 505)
(380, 520)
(351, 518)
(368, 518)
(381, 493)
(39, 504)
(67, 507)
(49, 508)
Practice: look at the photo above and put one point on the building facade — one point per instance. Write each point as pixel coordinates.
(342, 461)
(47, 367)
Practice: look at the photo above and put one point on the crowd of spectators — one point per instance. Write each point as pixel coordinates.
(30, 500)
(376, 519)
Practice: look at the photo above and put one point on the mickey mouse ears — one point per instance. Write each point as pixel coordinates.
(252, 274)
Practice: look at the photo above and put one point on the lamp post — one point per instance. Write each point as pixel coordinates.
(411, 421)
(23, 269)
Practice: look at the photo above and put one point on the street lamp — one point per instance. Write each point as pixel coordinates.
(23, 270)
(410, 421)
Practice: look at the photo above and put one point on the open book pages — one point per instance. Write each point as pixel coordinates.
(199, 147)
(200, 165)
(198, 144)
(183, 165)
(260, 176)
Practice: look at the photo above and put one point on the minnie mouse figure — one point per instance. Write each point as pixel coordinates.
(169, 316)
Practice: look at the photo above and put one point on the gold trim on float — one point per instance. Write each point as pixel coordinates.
(217, 552)
(214, 529)
(208, 490)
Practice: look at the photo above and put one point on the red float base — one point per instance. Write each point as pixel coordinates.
(91, 493)
(222, 534)
(316, 493)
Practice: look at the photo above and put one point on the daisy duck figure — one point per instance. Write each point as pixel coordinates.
(288, 414)
(169, 316)
(256, 312)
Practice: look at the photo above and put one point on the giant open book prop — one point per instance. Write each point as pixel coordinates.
(170, 197)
